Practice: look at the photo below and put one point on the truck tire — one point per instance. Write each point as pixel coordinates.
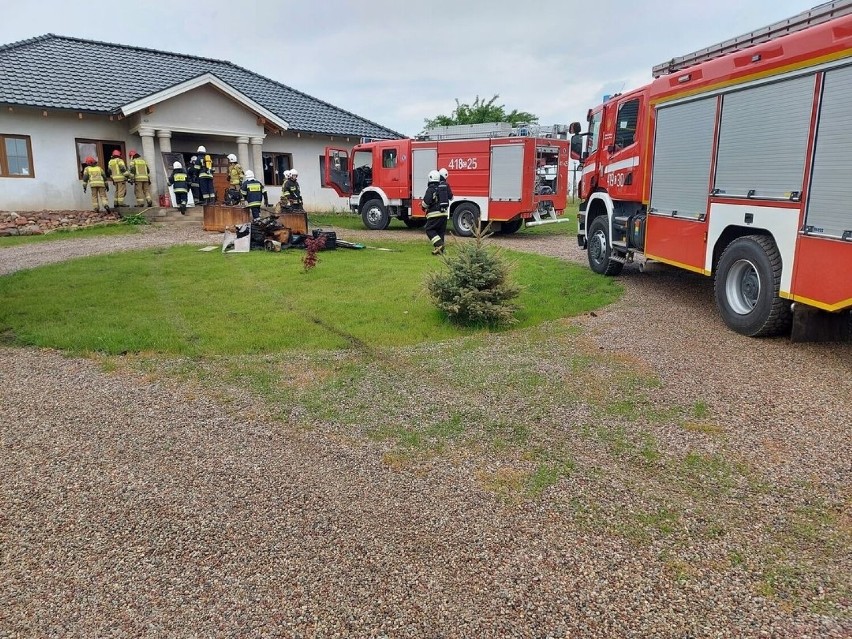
(747, 282)
(465, 219)
(599, 250)
(374, 215)
(507, 228)
(413, 222)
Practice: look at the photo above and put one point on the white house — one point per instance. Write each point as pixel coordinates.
(62, 99)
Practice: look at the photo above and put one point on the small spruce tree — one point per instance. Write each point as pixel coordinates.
(475, 289)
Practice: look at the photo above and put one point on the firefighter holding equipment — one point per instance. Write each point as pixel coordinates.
(95, 177)
(436, 203)
(141, 178)
(118, 173)
(192, 171)
(254, 194)
(205, 177)
(236, 175)
(179, 181)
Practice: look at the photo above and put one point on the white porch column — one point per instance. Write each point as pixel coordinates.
(243, 152)
(147, 136)
(257, 157)
(165, 138)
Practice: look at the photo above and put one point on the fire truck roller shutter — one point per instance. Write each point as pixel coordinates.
(831, 187)
(683, 153)
(763, 139)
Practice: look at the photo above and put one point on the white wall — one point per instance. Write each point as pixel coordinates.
(56, 185)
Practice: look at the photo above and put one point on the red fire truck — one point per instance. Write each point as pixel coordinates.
(735, 162)
(499, 174)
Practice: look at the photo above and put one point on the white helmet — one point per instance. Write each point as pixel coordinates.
(177, 165)
(294, 173)
(434, 176)
(232, 157)
(443, 172)
(249, 174)
(194, 158)
(201, 149)
(287, 174)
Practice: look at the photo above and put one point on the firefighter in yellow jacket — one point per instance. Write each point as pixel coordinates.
(205, 177)
(236, 175)
(118, 173)
(94, 177)
(141, 176)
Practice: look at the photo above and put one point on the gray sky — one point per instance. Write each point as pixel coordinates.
(397, 62)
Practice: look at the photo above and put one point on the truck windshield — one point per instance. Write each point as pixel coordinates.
(594, 129)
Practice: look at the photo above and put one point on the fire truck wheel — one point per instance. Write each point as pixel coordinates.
(465, 219)
(748, 278)
(599, 250)
(375, 215)
(507, 228)
(414, 222)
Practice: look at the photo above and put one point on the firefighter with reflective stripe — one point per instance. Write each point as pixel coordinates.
(436, 203)
(205, 177)
(192, 171)
(179, 181)
(141, 177)
(95, 178)
(254, 194)
(118, 174)
(291, 193)
(236, 175)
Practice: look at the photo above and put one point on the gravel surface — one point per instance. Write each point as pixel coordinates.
(131, 507)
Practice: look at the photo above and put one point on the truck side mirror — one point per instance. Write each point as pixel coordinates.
(576, 144)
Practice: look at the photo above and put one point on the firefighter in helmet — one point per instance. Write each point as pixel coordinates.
(254, 194)
(118, 173)
(140, 174)
(236, 175)
(94, 177)
(205, 177)
(436, 203)
(192, 171)
(291, 194)
(179, 181)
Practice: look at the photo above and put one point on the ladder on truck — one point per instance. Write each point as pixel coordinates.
(494, 130)
(817, 15)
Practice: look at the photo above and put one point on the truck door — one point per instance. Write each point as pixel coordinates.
(336, 173)
(621, 176)
(391, 171)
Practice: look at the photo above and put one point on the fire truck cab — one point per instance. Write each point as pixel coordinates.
(734, 163)
(499, 174)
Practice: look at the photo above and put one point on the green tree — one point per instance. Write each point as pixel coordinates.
(481, 111)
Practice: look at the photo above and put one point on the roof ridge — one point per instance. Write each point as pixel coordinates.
(21, 43)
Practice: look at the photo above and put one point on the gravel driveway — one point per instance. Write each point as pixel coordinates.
(135, 508)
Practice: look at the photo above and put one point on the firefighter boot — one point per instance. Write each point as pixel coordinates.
(183, 209)
(438, 250)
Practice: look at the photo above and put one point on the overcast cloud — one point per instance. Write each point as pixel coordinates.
(397, 62)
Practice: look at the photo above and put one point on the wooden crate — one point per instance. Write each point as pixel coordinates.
(218, 216)
(296, 221)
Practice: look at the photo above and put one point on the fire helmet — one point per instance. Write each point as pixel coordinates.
(294, 173)
(177, 165)
(443, 173)
(133, 153)
(90, 160)
(201, 149)
(434, 176)
(116, 154)
(249, 174)
(287, 174)
(232, 157)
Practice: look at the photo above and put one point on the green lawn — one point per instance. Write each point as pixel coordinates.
(182, 301)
